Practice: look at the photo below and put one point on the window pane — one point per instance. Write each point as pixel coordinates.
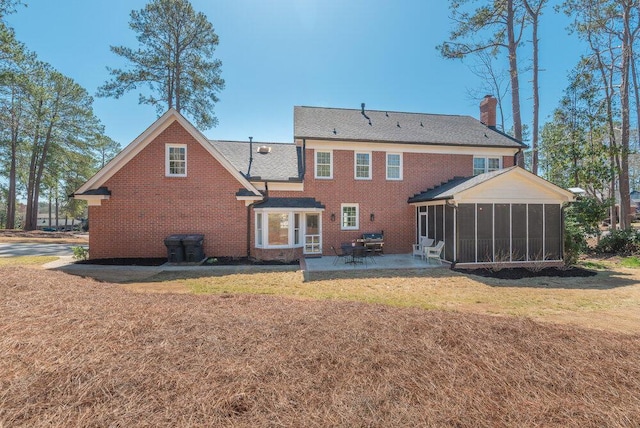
(494, 164)
(259, 229)
(323, 164)
(478, 166)
(177, 160)
(349, 217)
(393, 166)
(278, 229)
(362, 165)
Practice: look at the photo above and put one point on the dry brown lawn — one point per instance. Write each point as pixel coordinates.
(76, 352)
(38, 236)
(608, 301)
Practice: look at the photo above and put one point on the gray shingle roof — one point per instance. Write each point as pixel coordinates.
(290, 203)
(452, 187)
(413, 128)
(280, 164)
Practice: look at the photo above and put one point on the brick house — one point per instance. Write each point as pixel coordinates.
(349, 172)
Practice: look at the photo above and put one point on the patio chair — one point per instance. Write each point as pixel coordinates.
(434, 252)
(423, 241)
(339, 255)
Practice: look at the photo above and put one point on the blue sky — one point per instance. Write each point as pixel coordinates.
(281, 53)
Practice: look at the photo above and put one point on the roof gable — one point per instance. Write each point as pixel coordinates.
(396, 127)
(506, 185)
(146, 138)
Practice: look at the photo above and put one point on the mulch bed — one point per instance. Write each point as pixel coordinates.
(212, 261)
(519, 273)
(125, 262)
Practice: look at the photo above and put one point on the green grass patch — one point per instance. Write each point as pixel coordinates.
(593, 265)
(631, 262)
(26, 260)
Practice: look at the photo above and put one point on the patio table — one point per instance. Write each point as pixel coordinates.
(354, 253)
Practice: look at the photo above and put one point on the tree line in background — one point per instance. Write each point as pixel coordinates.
(592, 139)
(50, 139)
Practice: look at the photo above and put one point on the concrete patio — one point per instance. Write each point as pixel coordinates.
(386, 261)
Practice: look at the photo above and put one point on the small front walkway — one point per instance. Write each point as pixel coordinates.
(386, 261)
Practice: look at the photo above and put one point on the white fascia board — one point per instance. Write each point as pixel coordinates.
(283, 209)
(410, 148)
(279, 186)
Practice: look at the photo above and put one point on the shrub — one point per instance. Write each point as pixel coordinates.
(623, 242)
(575, 242)
(80, 253)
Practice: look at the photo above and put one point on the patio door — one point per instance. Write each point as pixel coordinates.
(312, 244)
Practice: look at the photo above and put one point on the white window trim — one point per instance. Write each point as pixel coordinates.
(355, 165)
(265, 226)
(315, 164)
(167, 163)
(387, 167)
(342, 226)
(486, 163)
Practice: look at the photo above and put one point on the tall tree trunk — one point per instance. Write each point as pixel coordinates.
(50, 207)
(634, 75)
(28, 221)
(623, 177)
(513, 72)
(11, 194)
(534, 14)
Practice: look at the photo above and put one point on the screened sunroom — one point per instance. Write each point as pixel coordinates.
(508, 216)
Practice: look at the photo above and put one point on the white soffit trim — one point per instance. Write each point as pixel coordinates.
(410, 148)
(92, 200)
(147, 137)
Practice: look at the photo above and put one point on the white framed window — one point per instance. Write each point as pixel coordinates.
(349, 215)
(362, 161)
(279, 228)
(259, 240)
(486, 164)
(324, 164)
(394, 166)
(176, 160)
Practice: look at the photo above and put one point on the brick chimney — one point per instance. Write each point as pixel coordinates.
(488, 111)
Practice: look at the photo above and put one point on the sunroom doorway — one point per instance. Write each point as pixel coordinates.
(312, 241)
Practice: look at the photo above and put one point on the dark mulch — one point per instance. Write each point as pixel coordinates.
(212, 261)
(519, 273)
(125, 261)
(238, 261)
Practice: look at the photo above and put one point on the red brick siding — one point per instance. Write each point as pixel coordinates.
(146, 206)
(386, 199)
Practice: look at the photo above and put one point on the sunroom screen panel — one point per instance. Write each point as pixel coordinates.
(552, 231)
(485, 232)
(536, 249)
(466, 224)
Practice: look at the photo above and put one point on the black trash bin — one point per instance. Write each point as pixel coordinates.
(175, 250)
(193, 250)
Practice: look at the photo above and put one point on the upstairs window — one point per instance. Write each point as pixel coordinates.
(363, 166)
(176, 162)
(324, 164)
(485, 164)
(394, 166)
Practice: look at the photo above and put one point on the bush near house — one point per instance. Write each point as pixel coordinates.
(622, 242)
